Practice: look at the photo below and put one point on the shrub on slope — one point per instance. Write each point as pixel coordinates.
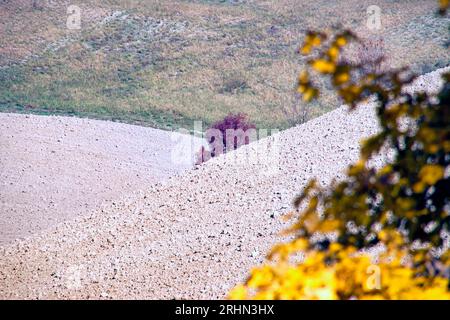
(227, 134)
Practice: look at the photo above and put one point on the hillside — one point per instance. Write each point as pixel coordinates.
(165, 63)
(172, 240)
(53, 169)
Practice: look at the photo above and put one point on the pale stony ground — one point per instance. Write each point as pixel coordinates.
(55, 168)
(192, 236)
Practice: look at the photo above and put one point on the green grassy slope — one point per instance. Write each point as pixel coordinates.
(166, 63)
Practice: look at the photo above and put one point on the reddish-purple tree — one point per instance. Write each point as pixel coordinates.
(234, 124)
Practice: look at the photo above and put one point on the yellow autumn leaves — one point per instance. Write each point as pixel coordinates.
(326, 63)
(324, 66)
(353, 276)
(306, 88)
(354, 239)
(428, 176)
(312, 40)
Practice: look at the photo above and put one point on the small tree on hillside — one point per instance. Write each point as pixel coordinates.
(295, 111)
(233, 133)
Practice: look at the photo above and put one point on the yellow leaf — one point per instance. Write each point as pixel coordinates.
(306, 49)
(323, 66)
(302, 88)
(404, 203)
(333, 53)
(316, 41)
(341, 41)
(434, 148)
(238, 293)
(356, 168)
(340, 78)
(329, 225)
(309, 94)
(303, 78)
(313, 39)
(419, 187)
(431, 173)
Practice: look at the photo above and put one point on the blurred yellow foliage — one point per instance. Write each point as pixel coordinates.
(354, 276)
(379, 233)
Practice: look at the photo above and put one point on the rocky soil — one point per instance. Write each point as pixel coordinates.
(192, 236)
(55, 168)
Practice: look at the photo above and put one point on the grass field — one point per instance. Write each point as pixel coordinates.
(167, 63)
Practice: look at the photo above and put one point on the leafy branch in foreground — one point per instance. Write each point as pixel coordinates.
(383, 231)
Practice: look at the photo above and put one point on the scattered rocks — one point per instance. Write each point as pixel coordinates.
(47, 180)
(197, 253)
